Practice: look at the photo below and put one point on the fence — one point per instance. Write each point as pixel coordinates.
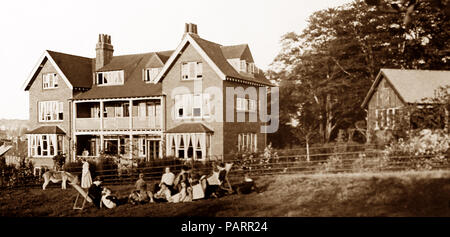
(349, 160)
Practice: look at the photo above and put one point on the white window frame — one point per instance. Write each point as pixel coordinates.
(243, 66)
(49, 81)
(37, 140)
(113, 78)
(187, 102)
(50, 111)
(150, 74)
(197, 104)
(252, 105)
(247, 142)
(142, 143)
(187, 74)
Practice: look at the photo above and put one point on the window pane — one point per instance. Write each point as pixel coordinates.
(197, 106)
(199, 70)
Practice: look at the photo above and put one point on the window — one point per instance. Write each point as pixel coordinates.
(385, 118)
(142, 147)
(243, 67)
(188, 145)
(247, 142)
(50, 80)
(110, 78)
(197, 108)
(243, 104)
(252, 105)
(44, 145)
(191, 70)
(50, 111)
(240, 105)
(150, 74)
(190, 105)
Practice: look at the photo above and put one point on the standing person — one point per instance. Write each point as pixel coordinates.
(86, 180)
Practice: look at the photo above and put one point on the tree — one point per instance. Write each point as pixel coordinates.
(407, 7)
(337, 57)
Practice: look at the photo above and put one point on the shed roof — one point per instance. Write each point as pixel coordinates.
(413, 86)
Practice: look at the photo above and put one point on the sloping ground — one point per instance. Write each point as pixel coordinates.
(386, 194)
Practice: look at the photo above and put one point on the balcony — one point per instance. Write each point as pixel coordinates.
(118, 123)
(146, 123)
(87, 123)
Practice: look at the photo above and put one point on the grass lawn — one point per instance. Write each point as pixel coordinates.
(383, 194)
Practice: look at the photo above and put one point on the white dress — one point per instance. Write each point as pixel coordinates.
(86, 180)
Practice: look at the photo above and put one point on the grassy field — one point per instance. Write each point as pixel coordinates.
(386, 194)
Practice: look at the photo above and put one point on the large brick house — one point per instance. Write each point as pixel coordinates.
(150, 105)
(393, 89)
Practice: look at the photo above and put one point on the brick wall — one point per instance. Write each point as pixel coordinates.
(232, 129)
(63, 93)
(210, 83)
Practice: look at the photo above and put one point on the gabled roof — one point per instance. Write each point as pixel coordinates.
(47, 130)
(134, 85)
(75, 71)
(214, 56)
(190, 128)
(76, 68)
(241, 51)
(413, 86)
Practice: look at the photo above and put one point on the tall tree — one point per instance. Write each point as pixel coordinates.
(337, 57)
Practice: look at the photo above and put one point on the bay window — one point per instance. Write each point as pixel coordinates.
(44, 145)
(188, 145)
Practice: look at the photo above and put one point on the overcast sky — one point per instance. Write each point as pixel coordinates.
(27, 28)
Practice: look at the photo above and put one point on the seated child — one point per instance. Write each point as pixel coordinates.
(140, 194)
(110, 201)
(185, 194)
(163, 195)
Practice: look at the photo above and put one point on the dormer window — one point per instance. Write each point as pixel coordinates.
(50, 80)
(151, 73)
(243, 65)
(110, 78)
(191, 70)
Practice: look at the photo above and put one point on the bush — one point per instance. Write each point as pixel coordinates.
(424, 150)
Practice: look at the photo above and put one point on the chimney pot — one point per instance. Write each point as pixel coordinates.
(191, 28)
(104, 51)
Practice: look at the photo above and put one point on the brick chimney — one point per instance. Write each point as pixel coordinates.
(191, 28)
(103, 51)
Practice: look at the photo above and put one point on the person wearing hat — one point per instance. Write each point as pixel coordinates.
(95, 191)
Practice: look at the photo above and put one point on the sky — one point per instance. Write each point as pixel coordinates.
(27, 28)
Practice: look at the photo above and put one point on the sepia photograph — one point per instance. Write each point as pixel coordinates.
(222, 117)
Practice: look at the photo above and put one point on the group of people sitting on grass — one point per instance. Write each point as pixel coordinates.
(184, 187)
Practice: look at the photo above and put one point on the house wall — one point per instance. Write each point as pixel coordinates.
(233, 129)
(384, 97)
(211, 83)
(63, 93)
